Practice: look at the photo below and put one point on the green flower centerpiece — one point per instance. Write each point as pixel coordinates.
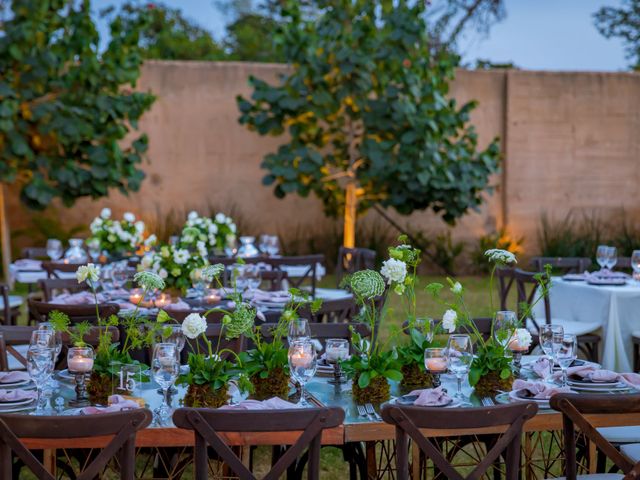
(267, 364)
(116, 238)
(204, 234)
(139, 333)
(372, 365)
(174, 265)
(491, 370)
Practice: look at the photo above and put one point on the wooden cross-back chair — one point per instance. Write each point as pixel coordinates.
(309, 263)
(53, 269)
(273, 279)
(351, 260)
(6, 305)
(506, 281)
(562, 264)
(337, 310)
(527, 287)
(35, 253)
(77, 313)
(122, 426)
(55, 286)
(323, 331)
(573, 408)
(408, 421)
(209, 423)
(483, 324)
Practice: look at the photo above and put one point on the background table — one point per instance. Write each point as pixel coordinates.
(616, 308)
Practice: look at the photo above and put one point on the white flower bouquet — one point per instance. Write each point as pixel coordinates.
(116, 237)
(204, 235)
(174, 264)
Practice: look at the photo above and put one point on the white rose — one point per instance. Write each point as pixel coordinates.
(163, 273)
(147, 262)
(449, 320)
(394, 271)
(213, 229)
(181, 256)
(139, 226)
(457, 288)
(193, 326)
(88, 273)
(220, 217)
(523, 337)
(192, 215)
(129, 217)
(105, 213)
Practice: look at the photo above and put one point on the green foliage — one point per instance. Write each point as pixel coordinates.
(413, 351)
(168, 35)
(250, 38)
(500, 239)
(369, 364)
(209, 371)
(366, 104)
(66, 105)
(444, 251)
(622, 22)
(490, 358)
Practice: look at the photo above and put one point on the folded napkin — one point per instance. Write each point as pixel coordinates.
(431, 397)
(13, 377)
(538, 390)
(17, 395)
(594, 373)
(79, 298)
(28, 264)
(605, 274)
(180, 305)
(117, 403)
(541, 367)
(631, 379)
(275, 403)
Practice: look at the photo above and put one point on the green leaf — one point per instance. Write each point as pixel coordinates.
(363, 380)
(505, 373)
(393, 375)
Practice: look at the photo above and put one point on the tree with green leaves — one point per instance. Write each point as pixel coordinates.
(168, 34)
(366, 111)
(622, 22)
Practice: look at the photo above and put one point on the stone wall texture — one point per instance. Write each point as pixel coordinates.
(571, 141)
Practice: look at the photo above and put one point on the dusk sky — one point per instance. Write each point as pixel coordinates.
(536, 34)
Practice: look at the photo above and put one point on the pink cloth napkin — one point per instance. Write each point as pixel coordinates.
(539, 390)
(431, 397)
(541, 367)
(117, 403)
(274, 403)
(17, 395)
(631, 379)
(596, 374)
(180, 305)
(28, 264)
(79, 298)
(12, 377)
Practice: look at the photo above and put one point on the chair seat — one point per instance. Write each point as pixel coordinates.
(15, 301)
(621, 434)
(631, 451)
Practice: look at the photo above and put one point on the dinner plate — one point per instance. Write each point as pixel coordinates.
(582, 382)
(12, 385)
(15, 403)
(19, 408)
(410, 400)
(608, 282)
(595, 389)
(510, 397)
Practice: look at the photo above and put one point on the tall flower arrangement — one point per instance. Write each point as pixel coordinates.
(204, 234)
(174, 264)
(116, 237)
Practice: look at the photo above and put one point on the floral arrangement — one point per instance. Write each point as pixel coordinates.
(139, 332)
(174, 264)
(117, 237)
(203, 234)
(491, 368)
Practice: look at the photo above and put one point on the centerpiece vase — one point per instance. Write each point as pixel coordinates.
(377, 391)
(415, 377)
(100, 387)
(205, 396)
(276, 384)
(491, 384)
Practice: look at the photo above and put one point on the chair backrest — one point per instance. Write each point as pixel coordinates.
(623, 263)
(122, 426)
(6, 306)
(324, 331)
(408, 421)
(506, 281)
(527, 287)
(309, 269)
(338, 310)
(573, 407)
(35, 253)
(76, 313)
(274, 279)
(53, 269)
(562, 264)
(351, 260)
(209, 423)
(483, 324)
(55, 286)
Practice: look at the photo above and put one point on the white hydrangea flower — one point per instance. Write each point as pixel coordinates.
(105, 213)
(232, 227)
(523, 337)
(457, 288)
(394, 271)
(193, 215)
(181, 256)
(139, 225)
(88, 273)
(220, 217)
(449, 320)
(163, 273)
(193, 326)
(202, 249)
(147, 261)
(129, 217)
(498, 255)
(151, 240)
(213, 229)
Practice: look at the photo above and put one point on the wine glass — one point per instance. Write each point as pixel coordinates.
(54, 249)
(263, 245)
(505, 324)
(119, 275)
(252, 276)
(231, 246)
(273, 245)
(566, 354)
(427, 327)
(612, 257)
(635, 264)
(40, 368)
(299, 331)
(601, 256)
(165, 369)
(56, 338)
(94, 249)
(303, 364)
(459, 358)
(44, 338)
(549, 338)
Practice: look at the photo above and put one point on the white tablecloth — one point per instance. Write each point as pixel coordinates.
(616, 308)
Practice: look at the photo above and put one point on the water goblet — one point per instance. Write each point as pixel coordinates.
(40, 369)
(165, 369)
(635, 264)
(566, 354)
(601, 256)
(459, 358)
(549, 335)
(299, 330)
(54, 249)
(303, 364)
(612, 257)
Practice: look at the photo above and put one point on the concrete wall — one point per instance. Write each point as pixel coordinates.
(570, 141)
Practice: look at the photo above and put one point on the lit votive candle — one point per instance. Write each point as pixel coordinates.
(436, 364)
(514, 346)
(211, 296)
(337, 352)
(136, 296)
(80, 364)
(301, 359)
(163, 300)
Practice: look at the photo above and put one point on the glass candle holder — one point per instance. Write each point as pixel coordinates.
(337, 350)
(136, 296)
(211, 296)
(435, 363)
(517, 351)
(80, 364)
(163, 300)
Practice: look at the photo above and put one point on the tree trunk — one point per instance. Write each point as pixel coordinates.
(350, 209)
(4, 236)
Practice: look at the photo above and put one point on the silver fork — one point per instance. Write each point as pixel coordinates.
(362, 412)
(372, 412)
(487, 402)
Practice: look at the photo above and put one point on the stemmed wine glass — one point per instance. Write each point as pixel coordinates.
(567, 353)
(54, 249)
(273, 245)
(165, 369)
(263, 244)
(299, 331)
(252, 277)
(459, 358)
(40, 369)
(550, 338)
(427, 327)
(94, 249)
(303, 364)
(505, 324)
(635, 264)
(601, 256)
(612, 257)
